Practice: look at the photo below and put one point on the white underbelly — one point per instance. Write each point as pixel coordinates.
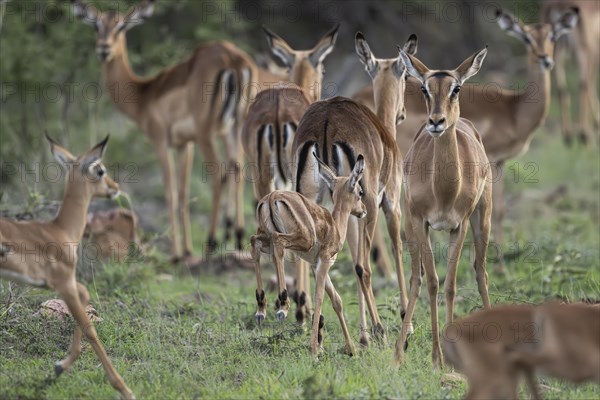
(183, 130)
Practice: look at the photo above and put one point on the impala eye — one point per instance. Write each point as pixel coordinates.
(361, 193)
(456, 90)
(424, 90)
(101, 172)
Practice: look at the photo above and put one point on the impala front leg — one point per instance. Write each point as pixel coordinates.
(321, 270)
(71, 294)
(166, 164)
(498, 215)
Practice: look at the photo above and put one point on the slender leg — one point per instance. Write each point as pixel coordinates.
(498, 214)
(71, 294)
(368, 228)
(212, 168)
(563, 94)
(457, 240)
(352, 238)
(393, 219)
(256, 243)
(305, 269)
(166, 164)
(321, 271)
(585, 128)
(185, 156)
(75, 348)
(282, 305)
(532, 384)
(336, 301)
(415, 249)
(480, 225)
(379, 254)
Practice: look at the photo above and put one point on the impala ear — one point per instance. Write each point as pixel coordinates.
(324, 47)
(95, 153)
(564, 22)
(280, 48)
(413, 66)
(137, 15)
(326, 173)
(471, 65)
(511, 25)
(85, 12)
(410, 47)
(357, 172)
(61, 154)
(365, 55)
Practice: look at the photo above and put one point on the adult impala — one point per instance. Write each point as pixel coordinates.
(197, 101)
(289, 221)
(583, 44)
(506, 120)
(448, 184)
(271, 124)
(339, 129)
(53, 262)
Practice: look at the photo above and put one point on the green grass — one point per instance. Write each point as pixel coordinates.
(195, 336)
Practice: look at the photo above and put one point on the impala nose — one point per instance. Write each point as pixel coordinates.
(103, 51)
(436, 126)
(546, 62)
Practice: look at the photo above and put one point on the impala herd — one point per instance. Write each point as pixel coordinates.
(423, 130)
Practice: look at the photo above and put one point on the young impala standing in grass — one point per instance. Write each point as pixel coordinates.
(197, 101)
(290, 221)
(448, 184)
(271, 124)
(339, 129)
(505, 119)
(54, 260)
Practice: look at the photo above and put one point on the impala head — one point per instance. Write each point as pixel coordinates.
(86, 172)
(441, 89)
(305, 66)
(346, 192)
(110, 25)
(540, 39)
(388, 75)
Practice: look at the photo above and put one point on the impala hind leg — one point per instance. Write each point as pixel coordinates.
(416, 260)
(214, 170)
(352, 238)
(280, 242)
(364, 271)
(302, 295)
(498, 212)
(185, 156)
(257, 243)
(321, 270)
(72, 295)
(379, 254)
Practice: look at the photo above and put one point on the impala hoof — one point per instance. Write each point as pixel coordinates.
(260, 317)
(58, 369)
(281, 315)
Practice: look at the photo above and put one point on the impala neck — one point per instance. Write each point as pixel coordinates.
(445, 165)
(385, 108)
(340, 218)
(533, 102)
(121, 82)
(72, 215)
